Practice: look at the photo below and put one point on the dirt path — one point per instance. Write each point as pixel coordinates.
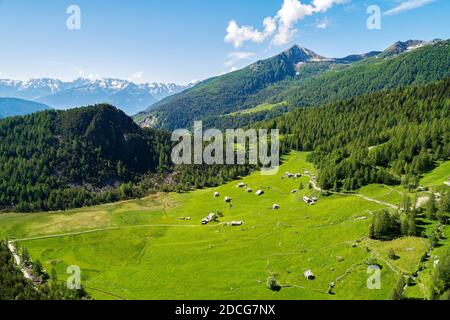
(18, 260)
(317, 188)
(62, 235)
(106, 292)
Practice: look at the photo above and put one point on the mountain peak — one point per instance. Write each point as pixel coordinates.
(404, 46)
(299, 54)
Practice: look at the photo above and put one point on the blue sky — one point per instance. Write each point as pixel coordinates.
(179, 41)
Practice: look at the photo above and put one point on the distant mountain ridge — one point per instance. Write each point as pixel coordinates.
(126, 95)
(299, 54)
(18, 107)
(401, 47)
(300, 77)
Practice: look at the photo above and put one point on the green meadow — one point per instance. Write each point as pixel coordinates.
(259, 108)
(157, 248)
(438, 176)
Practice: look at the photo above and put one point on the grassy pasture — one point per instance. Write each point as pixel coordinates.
(438, 176)
(142, 249)
(389, 194)
(259, 108)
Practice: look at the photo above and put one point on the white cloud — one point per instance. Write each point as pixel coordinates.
(407, 5)
(236, 56)
(136, 76)
(281, 26)
(322, 24)
(232, 69)
(325, 5)
(238, 35)
(291, 12)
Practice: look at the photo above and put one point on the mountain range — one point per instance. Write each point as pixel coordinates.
(299, 77)
(18, 107)
(336, 108)
(126, 95)
(296, 77)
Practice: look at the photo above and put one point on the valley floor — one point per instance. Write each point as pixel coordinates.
(145, 249)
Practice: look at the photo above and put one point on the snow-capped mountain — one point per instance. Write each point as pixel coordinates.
(128, 96)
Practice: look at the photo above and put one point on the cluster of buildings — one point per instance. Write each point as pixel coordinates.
(293, 175)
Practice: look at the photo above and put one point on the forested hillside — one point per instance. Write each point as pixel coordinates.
(377, 138)
(420, 66)
(14, 286)
(228, 93)
(55, 160)
(287, 77)
(52, 160)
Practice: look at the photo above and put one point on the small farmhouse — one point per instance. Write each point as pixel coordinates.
(310, 201)
(309, 275)
(210, 218)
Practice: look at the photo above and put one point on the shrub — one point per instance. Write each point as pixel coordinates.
(392, 255)
(273, 284)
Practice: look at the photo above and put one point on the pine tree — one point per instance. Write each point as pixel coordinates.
(398, 292)
(431, 208)
(406, 203)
